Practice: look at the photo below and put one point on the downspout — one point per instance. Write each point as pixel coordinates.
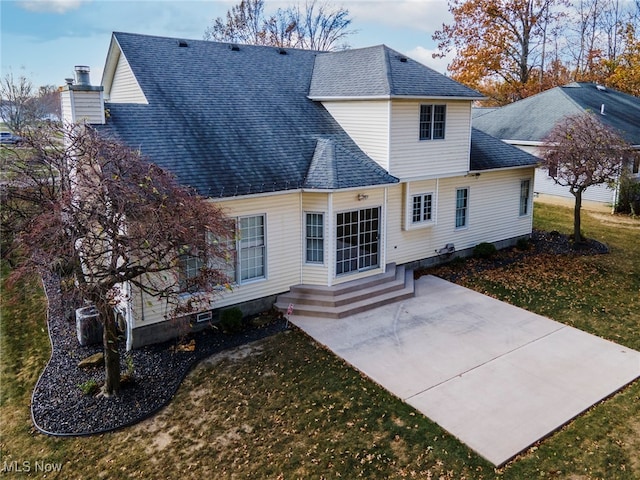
(129, 318)
(302, 243)
(331, 238)
(384, 228)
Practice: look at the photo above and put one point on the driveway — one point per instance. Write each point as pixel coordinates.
(497, 377)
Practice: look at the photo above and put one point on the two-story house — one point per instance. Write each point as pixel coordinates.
(337, 167)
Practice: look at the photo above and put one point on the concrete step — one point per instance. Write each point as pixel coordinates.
(350, 286)
(344, 296)
(349, 302)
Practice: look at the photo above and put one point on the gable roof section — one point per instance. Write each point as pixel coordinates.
(233, 121)
(380, 72)
(490, 153)
(532, 118)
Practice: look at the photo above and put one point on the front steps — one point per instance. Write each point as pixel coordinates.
(349, 298)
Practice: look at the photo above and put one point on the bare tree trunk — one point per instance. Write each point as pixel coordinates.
(111, 352)
(577, 236)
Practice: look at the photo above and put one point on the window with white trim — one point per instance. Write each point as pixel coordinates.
(432, 122)
(314, 238)
(525, 197)
(422, 208)
(462, 207)
(190, 266)
(252, 247)
(226, 262)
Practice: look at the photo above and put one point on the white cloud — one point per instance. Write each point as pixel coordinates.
(420, 15)
(52, 6)
(425, 56)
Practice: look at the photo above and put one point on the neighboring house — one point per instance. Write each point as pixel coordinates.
(337, 167)
(526, 124)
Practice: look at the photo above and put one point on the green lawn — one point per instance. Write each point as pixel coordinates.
(286, 408)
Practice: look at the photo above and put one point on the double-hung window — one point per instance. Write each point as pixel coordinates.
(462, 207)
(432, 122)
(422, 208)
(190, 266)
(252, 247)
(314, 238)
(525, 195)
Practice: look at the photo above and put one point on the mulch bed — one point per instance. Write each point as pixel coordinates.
(59, 407)
(540, 243)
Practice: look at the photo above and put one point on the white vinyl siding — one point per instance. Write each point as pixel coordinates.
(411, 158)
(283, 222)
(367, 123)
(82, 106)
(493, 209)
(124, 86)
(596, 193)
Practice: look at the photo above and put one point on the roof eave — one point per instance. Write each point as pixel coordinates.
(392, 97)
(110, 64)
(502, 169)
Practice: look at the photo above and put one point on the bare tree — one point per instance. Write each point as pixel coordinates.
(244, 24)
(48, 103)
(21, 104)
(581, 152)
(317, 26)
(320, 26)
(116, 219)
(16, 97)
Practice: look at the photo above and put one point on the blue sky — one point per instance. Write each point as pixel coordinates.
(44, 39)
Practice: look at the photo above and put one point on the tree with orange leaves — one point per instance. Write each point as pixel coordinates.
(498, 41)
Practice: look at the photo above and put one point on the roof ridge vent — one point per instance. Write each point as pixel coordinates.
(182, 43)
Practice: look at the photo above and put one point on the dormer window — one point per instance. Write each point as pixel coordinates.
(432, 122)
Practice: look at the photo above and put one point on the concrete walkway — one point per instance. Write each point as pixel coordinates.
(497, 377)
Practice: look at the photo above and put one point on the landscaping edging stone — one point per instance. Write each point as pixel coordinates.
(58, 406)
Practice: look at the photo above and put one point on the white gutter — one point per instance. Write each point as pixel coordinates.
(502, 169)
(526, 143)
(392, 97)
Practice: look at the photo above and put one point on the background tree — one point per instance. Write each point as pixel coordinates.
(511, 49)
(580, 152)
(316, 26)
(16, 97)
(21, 104)
(497, 40)
(100, 208)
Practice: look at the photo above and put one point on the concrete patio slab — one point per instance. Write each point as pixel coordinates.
(497, 377)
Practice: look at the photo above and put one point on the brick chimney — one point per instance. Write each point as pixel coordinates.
(81, 102)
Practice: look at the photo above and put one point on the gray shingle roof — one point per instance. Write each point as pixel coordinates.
(533, 118)
(489, 153)
(233, 122)
(380, 71)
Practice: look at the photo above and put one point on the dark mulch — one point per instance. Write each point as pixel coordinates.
(59, 407)
(540, 243)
